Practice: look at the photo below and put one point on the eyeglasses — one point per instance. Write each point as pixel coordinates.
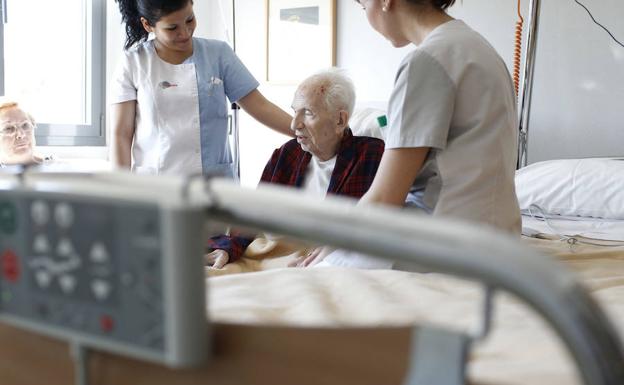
(11, 129)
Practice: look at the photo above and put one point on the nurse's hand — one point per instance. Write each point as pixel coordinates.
(314, 257)
(217, 259)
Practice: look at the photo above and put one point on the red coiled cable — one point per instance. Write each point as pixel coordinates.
(518, 51)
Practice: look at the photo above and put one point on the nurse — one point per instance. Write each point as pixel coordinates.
(451, 137)
(169, 111)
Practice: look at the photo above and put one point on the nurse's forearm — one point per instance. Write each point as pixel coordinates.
(396, 174)
(267, 113)
(123, 123)
(122, 152)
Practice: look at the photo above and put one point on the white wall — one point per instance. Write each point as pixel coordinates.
(579, 82)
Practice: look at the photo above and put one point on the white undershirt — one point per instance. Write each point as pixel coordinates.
(318, 176)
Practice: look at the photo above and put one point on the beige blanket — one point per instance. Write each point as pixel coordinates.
(520, 350)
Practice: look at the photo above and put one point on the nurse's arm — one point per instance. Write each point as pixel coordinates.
(267, 113)
(396, 174)
(123, 122)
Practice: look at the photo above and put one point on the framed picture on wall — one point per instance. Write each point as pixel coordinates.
(300, 38)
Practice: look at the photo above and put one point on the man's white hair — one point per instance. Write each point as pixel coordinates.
(340, 92)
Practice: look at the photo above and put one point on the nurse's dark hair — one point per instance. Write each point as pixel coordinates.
(151, 10)
(439, 4)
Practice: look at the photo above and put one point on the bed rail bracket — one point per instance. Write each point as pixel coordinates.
(438, 357)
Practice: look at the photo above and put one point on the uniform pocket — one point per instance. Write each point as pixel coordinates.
(213, 92)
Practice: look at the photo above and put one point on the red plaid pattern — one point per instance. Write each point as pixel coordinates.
(356, 165)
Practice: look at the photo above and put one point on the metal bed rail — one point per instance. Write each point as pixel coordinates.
(497, 260)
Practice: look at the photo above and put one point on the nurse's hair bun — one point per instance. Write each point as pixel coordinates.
(152, 10)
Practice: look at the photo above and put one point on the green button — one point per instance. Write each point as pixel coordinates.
(8, 217)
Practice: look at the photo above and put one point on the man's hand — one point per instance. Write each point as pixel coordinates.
(314, 257)
(217, 259)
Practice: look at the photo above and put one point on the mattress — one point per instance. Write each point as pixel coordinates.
(521, 348)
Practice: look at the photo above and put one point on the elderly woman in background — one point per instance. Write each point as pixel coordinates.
(17, 135)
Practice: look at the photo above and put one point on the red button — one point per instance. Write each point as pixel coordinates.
(107, 323)
(10, 266)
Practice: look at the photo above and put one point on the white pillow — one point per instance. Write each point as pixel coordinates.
(592, 187)
(364, 122)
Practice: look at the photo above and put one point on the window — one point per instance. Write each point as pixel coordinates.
(52, 57)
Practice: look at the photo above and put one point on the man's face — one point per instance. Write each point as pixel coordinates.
(318, 130)
(16, 136)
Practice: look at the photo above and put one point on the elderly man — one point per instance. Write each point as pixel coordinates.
(17, 135)
(325, 158)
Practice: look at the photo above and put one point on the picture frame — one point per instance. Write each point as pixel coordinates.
(300, 39)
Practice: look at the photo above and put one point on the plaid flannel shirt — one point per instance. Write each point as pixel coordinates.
(357, 161)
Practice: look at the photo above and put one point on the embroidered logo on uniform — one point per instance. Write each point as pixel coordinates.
(165, 84)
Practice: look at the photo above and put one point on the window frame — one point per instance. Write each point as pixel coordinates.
(93, 134)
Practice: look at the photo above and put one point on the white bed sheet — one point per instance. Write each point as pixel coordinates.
(591, 228)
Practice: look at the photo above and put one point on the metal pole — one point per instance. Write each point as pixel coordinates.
(235, 107)
(236, 140)
(234, 25)
(527, 83)
(3, 15)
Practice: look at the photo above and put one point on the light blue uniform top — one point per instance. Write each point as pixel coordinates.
(220, 73)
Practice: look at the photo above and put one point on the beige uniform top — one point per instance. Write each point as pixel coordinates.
(454, 94)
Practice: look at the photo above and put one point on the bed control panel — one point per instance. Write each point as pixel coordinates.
(116, 273)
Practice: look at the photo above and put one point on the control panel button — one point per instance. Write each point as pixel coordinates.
(8, 217)
(101, 289)
(107, 323)
(10, 266)
(98, 253)
(64, 215)
(41, 244)
(68, 283)
(40, 213)
(64, 248)
(43, 278)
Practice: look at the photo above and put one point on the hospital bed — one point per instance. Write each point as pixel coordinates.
(475, 305)
(385, 334)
